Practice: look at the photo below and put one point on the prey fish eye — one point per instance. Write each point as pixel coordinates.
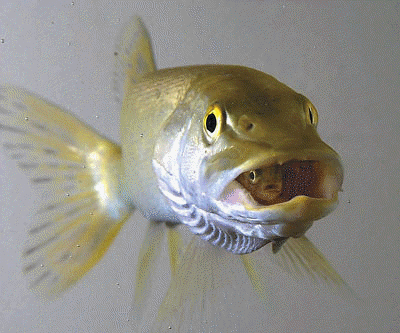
(255, 175)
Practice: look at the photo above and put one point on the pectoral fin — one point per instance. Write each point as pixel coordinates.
(175, 248)
(147, 264)
(148, 255)
(301, 259)
(205, 293)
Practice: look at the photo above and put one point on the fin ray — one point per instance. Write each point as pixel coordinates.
(75, 173)
(257, 279)
(133, 57)
(148, 255)
(204, 291)
(301, 259)
(175, 248)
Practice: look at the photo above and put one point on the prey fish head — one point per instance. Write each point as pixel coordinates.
(241, 161)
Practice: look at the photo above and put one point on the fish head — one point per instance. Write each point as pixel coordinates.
(250, 161)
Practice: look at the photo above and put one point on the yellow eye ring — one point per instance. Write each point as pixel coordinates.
(213, 121)
(311, 114)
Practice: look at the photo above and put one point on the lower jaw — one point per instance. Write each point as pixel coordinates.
(300, 209)
(251, 216)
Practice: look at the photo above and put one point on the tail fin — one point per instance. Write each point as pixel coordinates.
(81, 208)
(133, 57)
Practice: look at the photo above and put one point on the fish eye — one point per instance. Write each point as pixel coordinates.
(213, 121)
(311, 114)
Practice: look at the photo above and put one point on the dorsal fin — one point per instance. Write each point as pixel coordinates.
(133, 57)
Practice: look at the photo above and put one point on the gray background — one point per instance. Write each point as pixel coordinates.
(344, 56)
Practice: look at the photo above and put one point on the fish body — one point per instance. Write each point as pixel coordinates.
(228, 151)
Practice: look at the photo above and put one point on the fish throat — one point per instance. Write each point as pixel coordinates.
(278, 183)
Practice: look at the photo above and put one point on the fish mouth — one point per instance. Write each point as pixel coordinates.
(279, 182)
(270, 185)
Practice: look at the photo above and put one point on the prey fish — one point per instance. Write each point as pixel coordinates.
(226, 152)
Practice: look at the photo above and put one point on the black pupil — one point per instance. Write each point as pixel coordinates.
(311, 116)
(211, 122)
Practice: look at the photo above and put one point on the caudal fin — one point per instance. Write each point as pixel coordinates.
(76, 172)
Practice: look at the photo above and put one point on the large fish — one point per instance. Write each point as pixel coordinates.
(228, 151)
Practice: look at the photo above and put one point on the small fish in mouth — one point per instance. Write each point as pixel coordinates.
(265, 184)
(279, 183)
(228, 152)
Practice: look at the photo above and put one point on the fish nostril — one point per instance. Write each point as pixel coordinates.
(249, 127)
(245, 124)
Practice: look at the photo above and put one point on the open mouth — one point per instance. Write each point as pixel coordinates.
(278, 183)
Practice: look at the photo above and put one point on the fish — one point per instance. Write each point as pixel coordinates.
(225, 153)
